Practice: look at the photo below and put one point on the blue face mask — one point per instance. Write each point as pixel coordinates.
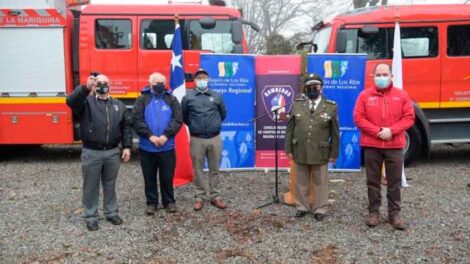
(201, 85)
(382, 82)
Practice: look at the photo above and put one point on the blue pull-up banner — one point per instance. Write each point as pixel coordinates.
(233, 76)
(343, 81)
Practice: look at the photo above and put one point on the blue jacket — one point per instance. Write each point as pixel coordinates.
(156, 115)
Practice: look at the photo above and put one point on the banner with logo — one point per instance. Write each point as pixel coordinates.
(343, 80)
(277, 83)
(234, 78)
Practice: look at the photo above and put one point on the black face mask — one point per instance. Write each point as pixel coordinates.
(158, 88)
(313, 93)
(102, 88)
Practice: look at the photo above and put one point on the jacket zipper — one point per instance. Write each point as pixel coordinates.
(158, 117)
(383, 116)
(107, 125)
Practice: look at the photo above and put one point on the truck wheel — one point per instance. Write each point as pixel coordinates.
(412, 149)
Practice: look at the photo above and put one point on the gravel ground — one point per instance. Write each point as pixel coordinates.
(40, 219)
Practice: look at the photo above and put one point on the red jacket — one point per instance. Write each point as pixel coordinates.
(390, 108)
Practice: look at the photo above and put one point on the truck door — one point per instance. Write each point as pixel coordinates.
(456, 65)
(154, 55)
(113, 52)
(421, 71)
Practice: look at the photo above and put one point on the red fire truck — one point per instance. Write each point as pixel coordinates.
(47, 48)
(435, 42)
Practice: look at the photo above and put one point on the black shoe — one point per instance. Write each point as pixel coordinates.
(319, 217)
(92, 226)
(301, 213)
(171, 208)
(115, 220)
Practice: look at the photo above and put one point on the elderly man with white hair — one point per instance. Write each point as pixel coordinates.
(157, 117)
(104, 124)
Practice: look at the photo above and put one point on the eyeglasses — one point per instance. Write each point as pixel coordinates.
(382, 74)
(102, 83)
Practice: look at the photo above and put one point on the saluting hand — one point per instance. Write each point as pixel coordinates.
(90, 83)
(290, 156)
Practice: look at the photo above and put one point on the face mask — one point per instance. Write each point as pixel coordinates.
(158, 88)
(313, 93)
(102, 88)
(201, 85)
(382, 82)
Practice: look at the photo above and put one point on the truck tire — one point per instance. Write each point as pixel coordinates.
(412, 149)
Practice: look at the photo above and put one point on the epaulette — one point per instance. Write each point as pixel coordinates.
(330, 102)
(300, 98)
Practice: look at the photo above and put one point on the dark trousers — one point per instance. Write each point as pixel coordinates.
(162, 163)
(374, 158)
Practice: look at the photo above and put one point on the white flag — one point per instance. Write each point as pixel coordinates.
(397, 70)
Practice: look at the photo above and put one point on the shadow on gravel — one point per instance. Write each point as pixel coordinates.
(42, 152)
(449, 153)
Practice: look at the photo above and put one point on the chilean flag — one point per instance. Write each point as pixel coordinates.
(184, 168)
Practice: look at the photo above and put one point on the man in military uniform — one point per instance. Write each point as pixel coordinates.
(312, 140)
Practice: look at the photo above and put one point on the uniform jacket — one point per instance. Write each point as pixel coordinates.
(312, 138)
(203, 112)
(103, 123)
(390, 108)
(156, 115)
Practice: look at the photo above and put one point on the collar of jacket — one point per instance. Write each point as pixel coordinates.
(385, 90)
(208, 92)
(149, 90)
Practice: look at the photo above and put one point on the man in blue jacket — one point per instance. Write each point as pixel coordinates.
(203, 112)
(104, 124)
(157, 117)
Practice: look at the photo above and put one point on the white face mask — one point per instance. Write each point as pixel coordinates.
(382, 82)
(201, 85)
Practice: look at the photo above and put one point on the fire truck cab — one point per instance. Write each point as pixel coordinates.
(46, 49)
(435, 42)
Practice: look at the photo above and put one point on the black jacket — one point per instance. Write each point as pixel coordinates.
(103, 123)
(203, 112)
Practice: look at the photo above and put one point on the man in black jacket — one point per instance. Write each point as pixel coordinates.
(157, 117)
(203, 112)
(104, 123)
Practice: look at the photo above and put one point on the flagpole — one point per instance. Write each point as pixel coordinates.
(397, 69)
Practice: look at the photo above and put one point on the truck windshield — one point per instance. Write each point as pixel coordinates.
(157, 34)
(322, 38)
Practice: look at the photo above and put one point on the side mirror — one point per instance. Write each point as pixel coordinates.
(301, 46)
(237, 33)
(341, 39)
(368, 29)
(207, 22)
(251, 24)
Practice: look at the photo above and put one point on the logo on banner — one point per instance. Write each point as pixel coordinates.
(228, 69)
(335, 69)
(277, 97)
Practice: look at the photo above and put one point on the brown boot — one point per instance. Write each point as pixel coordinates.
(198, 205)
(219, 203)
(396, 222)
(372, 220)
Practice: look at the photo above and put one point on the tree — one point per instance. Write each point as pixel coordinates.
(363, 3)
(273, 16)
(277, 44)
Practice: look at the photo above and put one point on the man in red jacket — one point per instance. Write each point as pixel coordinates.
(383, 114)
